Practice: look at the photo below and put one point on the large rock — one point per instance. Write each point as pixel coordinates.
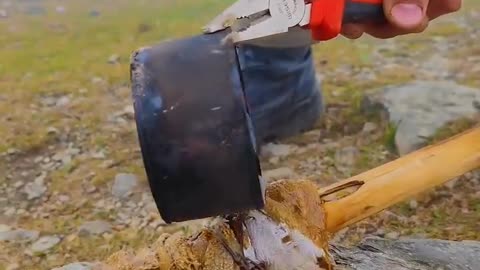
(418, 109)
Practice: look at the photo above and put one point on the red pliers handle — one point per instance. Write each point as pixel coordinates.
(328, 16)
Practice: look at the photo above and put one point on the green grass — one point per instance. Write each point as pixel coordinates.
(453, 128)
(60, 54)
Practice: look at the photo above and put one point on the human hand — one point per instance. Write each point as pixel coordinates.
(403, 17)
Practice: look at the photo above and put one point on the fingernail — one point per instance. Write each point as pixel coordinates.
(407, 15)
(352, 31)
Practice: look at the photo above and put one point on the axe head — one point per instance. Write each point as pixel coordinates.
(195, 133)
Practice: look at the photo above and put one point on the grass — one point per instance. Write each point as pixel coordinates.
(453, 128)
(56, 55)
(59, 54)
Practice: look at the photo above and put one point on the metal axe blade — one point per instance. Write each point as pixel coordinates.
(194, 130)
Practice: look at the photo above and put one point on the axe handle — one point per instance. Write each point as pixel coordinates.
(401, 179)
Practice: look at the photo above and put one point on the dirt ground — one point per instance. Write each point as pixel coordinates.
(69, 147)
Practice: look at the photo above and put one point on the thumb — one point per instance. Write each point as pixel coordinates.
(409, 15)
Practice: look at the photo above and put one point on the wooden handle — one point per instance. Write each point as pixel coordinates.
(403, 178)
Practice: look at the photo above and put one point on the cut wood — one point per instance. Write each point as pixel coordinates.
(293, 230)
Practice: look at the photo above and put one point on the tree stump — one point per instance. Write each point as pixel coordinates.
(294, 229)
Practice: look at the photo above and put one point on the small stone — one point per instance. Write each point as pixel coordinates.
(52, 130)
(44, 244)
(18, 184)
(100, 204)
(365, 75)
(49, 166)
(9, 211)
(131, 205)
(98, 155)
(71, 238)
(4, 228)
(48, 101)
(413, 204)
(77, 266)
(155, 224)
(12, 151)
(451, 184)
(135, 223)
(63, 198)
(107, 164)
(380, 233)
(97, 80)
(91, 189)
(94, 13)
(107, 236)
(67, 159)
(113, 59)
(369, 127)
(123, 185)
(13, 266)
(19, 236)
(129, 110)
(392, 235)
(277, 150)
(73, 151)
(60, 9)
(347, 156)
(97, 227)
(58, 156)
(274, 160)
(83, 90)
(34, 190)
(279, 173)
(63, 101)
(3, 13)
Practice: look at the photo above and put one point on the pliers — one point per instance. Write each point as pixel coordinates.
(290, 23)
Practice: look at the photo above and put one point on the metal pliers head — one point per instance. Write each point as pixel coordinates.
(257, 21)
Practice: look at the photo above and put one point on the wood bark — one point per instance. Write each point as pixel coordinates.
(294, 229)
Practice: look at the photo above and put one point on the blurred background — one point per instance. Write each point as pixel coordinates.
(72, 183)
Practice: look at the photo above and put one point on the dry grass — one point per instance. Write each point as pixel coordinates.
(67, 55)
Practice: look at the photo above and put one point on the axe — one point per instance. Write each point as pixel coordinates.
(198, 143)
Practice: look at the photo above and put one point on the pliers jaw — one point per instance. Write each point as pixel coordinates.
(271, 23)
(242, 9)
